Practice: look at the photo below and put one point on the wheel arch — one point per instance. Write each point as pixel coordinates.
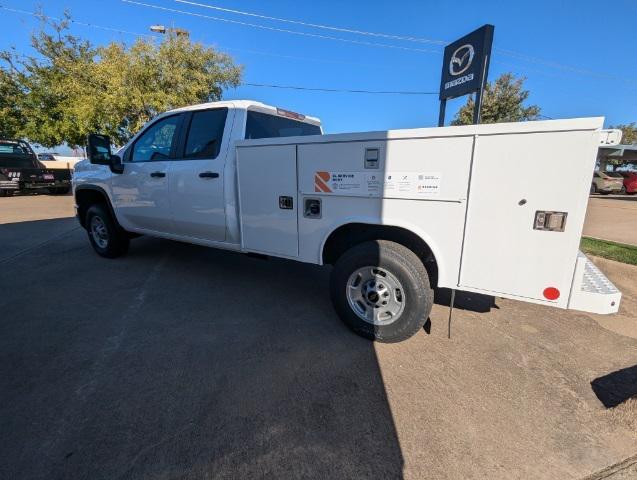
(348, 234)
(87, 195)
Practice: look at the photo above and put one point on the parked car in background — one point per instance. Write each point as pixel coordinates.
(47, 156)
(607, 182)
(20, 165)
(630, 182)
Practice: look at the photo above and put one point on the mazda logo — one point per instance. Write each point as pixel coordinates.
(461, 59)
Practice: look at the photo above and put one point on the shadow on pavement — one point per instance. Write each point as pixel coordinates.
(474, 302)
(179, 361)
(616, 387)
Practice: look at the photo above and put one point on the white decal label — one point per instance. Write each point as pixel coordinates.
(394, 184)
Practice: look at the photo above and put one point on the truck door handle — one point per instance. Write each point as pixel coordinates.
(158, 174)
(209, 175)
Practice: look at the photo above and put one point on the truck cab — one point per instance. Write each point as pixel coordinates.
(178, 174)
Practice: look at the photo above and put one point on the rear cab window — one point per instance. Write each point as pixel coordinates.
(16, 154)
(205, 134)
(264, 125)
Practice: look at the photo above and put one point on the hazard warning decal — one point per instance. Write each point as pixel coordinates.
(320, 182)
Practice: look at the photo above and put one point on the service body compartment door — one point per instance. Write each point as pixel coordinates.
(268, 199)
(513, 177)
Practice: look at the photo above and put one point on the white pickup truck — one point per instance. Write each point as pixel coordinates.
(494, 209)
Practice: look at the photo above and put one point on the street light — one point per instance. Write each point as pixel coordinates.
(162, 29)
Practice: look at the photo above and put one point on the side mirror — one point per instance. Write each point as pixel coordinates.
(99, 149)
(99, 153)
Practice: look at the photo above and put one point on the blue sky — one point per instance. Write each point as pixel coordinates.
(582, 52)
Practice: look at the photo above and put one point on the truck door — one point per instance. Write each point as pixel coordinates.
(268, 199)
(514, 178)
(140, 193)
(196, 176)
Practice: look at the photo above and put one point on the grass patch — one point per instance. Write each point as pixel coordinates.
(625, 414)
(611, 250)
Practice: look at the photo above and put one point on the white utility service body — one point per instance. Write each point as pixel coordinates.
(470, 192)
(479, 196)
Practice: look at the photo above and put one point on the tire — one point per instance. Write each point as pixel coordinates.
(6, 193)
(108, 239)
(388, 270)
(60, 190)
(623, 190)
(593, 188)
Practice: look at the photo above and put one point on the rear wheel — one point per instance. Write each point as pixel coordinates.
(381, 290)
(107, 238)
(623, 190)
(593, 188)
(60, 190)
(6, 193)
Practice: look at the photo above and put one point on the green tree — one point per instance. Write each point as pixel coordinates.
(11, 118)
(71, 88)
(629, 132)
(502, 101)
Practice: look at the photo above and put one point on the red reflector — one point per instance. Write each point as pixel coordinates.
(551, 293)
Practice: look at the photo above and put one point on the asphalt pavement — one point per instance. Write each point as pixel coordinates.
(180, 361)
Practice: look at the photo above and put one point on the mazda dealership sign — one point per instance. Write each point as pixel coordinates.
(466, 62)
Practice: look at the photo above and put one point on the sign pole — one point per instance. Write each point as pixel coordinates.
(478, 104)
(441, 115)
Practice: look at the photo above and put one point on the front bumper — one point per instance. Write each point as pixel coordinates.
(42, 185)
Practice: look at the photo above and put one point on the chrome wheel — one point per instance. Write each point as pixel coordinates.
(99, 232)
(375, 295)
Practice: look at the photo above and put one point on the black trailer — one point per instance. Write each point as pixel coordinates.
(20, 170)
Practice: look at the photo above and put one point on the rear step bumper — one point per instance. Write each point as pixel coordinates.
(591, 290)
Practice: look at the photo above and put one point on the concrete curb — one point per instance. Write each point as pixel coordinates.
(625, 469)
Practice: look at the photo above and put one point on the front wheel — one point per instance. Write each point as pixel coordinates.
(381, 290)
(106, 237)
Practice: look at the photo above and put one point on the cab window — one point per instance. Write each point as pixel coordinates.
(205, 134)
(156, 142)
(262, 125)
